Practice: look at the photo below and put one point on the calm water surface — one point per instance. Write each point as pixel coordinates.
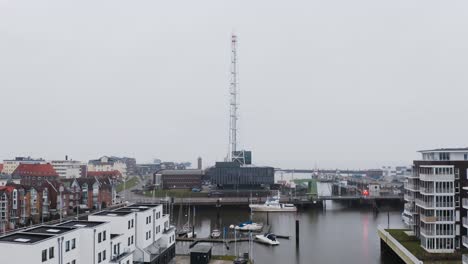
(337, 234)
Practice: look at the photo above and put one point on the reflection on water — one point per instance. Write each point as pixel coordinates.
(335, 235)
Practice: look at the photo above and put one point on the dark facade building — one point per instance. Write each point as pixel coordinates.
(231, 175)
(181, 179)
(436, 199)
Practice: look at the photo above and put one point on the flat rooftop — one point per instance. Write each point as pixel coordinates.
(76, 223)
(52, 230)
(144, 205)
(25, 238)
(113, 213)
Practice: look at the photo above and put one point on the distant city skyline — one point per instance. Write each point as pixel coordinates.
(340, 84)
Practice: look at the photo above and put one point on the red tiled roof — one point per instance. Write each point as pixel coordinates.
(7, 188)
(35, 170)
(103, 173)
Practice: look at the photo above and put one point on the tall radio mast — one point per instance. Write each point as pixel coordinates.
(234, 104)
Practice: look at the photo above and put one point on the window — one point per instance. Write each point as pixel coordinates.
(67, 246)
(128, 224)
(51, 253)
(99, 257)
(99, 238)
(465, 156)
(129, 241)
(44, 255)
(73, 262)
(104, 255)
(73, 243)
(132, 222)
(132, 240)
(104, 236)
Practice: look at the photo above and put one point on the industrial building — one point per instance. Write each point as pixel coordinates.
(181, 179)
(231, 175)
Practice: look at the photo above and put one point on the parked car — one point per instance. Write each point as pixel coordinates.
(196, 190)
(215, 194)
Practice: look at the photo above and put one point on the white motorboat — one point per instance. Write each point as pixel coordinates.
(249, 226)
(215, 233)
(273, 205)
(269, 239)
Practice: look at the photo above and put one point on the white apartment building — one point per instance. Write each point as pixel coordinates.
(138, 233)
(67, 169)
(44, 244)
(150, 234)
(433, 194)
(108, 164)
(9, 166)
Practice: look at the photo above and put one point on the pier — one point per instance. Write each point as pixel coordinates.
(298, 200)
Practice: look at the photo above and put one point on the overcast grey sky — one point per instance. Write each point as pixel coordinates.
(341, 83)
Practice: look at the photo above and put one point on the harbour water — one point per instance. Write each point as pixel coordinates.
(337, 234)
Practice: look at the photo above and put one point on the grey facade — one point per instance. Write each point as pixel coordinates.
(232, 175)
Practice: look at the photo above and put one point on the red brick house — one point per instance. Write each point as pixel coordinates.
(35, 174)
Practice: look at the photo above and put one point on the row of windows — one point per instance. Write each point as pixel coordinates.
(67, 245)
(102, 236)
(101, 256)
(130, 240)
(130, 224)
(148, 235)
(148, 219)
(44, 254)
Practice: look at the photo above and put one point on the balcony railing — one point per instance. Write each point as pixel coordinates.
(428, 219)
(431, 204)
(428, 190)
(410, 207)
(465, 241)
(437, 177)
(422, 203)
(465, 221)
(410, 186)
(408, 197)
(427, 232)
(465, 202)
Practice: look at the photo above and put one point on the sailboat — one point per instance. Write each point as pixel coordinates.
(187, 230)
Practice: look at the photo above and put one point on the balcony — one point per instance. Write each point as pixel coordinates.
(428, 219)
(408, 197)
(410, 208)
(426, 190)
(122, 255)
(437, 177)
(424, 204)
(465, 203)
(465, 241)
(411, 187)
(427, 232)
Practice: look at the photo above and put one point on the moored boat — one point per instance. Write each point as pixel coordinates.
(249, 226)
(268, 238)
(273, 205)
